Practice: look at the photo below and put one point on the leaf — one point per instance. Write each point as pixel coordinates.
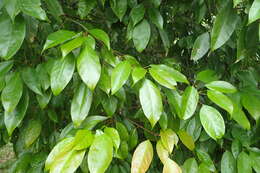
(100, 154)
(44, 99)
(83, 139)
(114, 135)
(141, 35)
(190, 166)
(221, 100)
(207, 76)
(255, 159)
(142, 157)
(101, 35)
(190, 99)
(212, 122)
(14, 118)
(156, 17)
(122, 130)
(12, 92)
(228, 163)
(204, 157)
(165, 40)
(138, 73)
(89, 67)
(163, 154)
(137, 13)
(169, 139)
(156, 3)
(254, 12)
(81, 104)
(105, 80)
(224, 26)
(174, 99)
(221, 86)
(33, 8)
(200, 47)
(236, 148)
(120, 75)
(119, 7)
(251, 103)
(57, 38)
(243, 163)
(85, 7)
(55, 8)
(5, 67)
(32, 131)
(71, 45)
(151, 101)
(30, 78)
(12, 35)
(133, 139)
(236, 2)
(186, 139)
(90, 122)
(171, 167)
(61, 73)
(42, 74)
(12, 8)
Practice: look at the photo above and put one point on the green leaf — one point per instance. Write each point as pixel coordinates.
(83, 139)
(244, 163)
(81, 104)
(90, 122)
(186, 139)
(101, 35)
(114, 135)
(174, 99)
(200, 47)
(55, 8)
(71, 45)
(204, 157)
(100, 154)
(162, 153)
(42, 74)
(236, 2)
(221, 86)
(156, 17)
(14, 118)
(254, 12)
(44, 99)
(141, 35)
(85, 7)
(12, 92)
(109, 104)
(163, 121)
(236, 148)
(190, 166)
(122, 130)
(120, 75)
(57, 38)
(119, 7)
(170, 167)
(12, 35)
(138, 73)
(30, 78)
(137, 14)
(151, 101)
(207, 76)
(5, 67)
(133, 139)
(190, 99)
(89, 67)
(105, 80)
(251, 103)
(32, 131)
(224, 26)
(165, 40)
(255, 159)
(156, 3)
(33, 8)
(169, 139)
(221, 100)
(142, 157)
(228, 163)
(12, 8)
(212, 122)
(61, 73)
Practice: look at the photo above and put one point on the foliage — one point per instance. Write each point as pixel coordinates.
(131, 85)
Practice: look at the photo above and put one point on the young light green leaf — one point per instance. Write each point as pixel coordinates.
(30, 78)
(138, 73)
(156, 17)
(71, 45)
(33, 8)
(169, 139)
(32, 131)
(244, 163)
(89, 67)
(81, 104)
(190, 99)
(90, 122)
(142, 157)
(85, 7)
(254, 12)
(137, 14)
(83, 139)
(101, 35)
(186, 139)
(221, 100)
(190, 166)
(151, 101)
(163, 154)
(228, 163)
(12, 35)
(114, 135)
(221, 86)
(61, 73)
(224, 26)
(120, 75)
(100, 154)
(141, 35)
(170, 167)
(212, 122)
(251, 103)
(119, 7)
(12, 92)
(200, 47)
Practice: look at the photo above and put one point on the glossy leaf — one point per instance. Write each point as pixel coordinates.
(163, 154)
(156, 17)
(33, 8)
(137, 13)
(122, 130)
(186, 139)
(85, 7)
(5, 67)
(138, 73)
(141, 35)
(207, 76)
(251, 103)
(44, 99)
(32, 132)
(101, 35)
(221, 86)
(83, 139)
(30, 78)
(114, 135)
(255, 158)
(12, 8)
(55, 8)
(171, 166)
(110, 105)
(71, 45)
(201, 46)
(190, 166)
(254, 12)
(228, 163)
(169, 139)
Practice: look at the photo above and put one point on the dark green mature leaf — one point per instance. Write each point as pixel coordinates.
(81, 104)
(244, 163)
(89, 67)
(207, 76)
(137, 13)
(44, 99)
(61, 73)
(13, 119)
(228, 163)
(110, 105)
(207, 162)
(254, 12)
(174, 99)
(221, 86)
(224, 26)
(12, 92)
(151, 101)
(85, 6)
(120, 75)
(251, 103)
(119, 7)
(212, 122)
(122, 130)
(33, 8)
(30, 78)
(101, 35)
(43, 75)
(12, 8)
(141, 35)
(100, 153)
(71, 45)
(190, 166)
(200, 47)
(189, 102)
(31, 132)
(55, 8)
(5, 67)
(12, 35)
(156, 17)
(165, 40)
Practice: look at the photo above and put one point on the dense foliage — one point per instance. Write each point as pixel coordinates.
(131, 85)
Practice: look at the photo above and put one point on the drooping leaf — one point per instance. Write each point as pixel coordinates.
(137, 13)
(43, 75)
(142, 157)
(141, 35)
(186, 139)
(33, 8)
(101, 35)
(12, 8)
(119, 7)
(254, 12)
(105, 80)
(169, 139)
(212, 122)
(171, 166)
(201, 46)
(228, 163)
(133, 139)
(221, 86)
(243, 163)
(30, 78)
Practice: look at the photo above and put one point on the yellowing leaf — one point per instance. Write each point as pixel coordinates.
(169, 139)
(163, 154)
(186, 139)
(171, 167)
